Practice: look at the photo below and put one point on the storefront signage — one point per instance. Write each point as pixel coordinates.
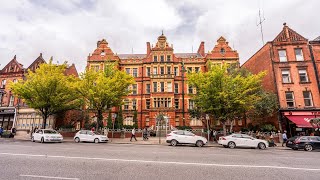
(298, 129)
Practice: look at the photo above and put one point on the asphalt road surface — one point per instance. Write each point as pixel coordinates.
(26, 160)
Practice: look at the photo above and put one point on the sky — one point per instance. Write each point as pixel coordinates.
(68, 30)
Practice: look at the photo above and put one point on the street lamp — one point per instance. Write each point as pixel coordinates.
(182, 77)
(114, 116)
(207, 118)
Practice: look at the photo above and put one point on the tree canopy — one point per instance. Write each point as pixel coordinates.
(48, 90)
(224, 92)
(105, 89)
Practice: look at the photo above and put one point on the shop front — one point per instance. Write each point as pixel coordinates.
(298, 122)
(7, 117)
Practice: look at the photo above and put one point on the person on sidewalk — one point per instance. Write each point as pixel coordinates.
(133, 134)
(1, 131)
(145, 133)
(284, 137)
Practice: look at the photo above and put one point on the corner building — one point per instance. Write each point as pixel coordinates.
(292, 64)
(161, 84)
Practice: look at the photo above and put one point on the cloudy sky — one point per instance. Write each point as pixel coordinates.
(69, 29)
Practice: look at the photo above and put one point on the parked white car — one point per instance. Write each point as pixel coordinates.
(89, 136)
(185, 137)
(46, 135)
(242, 140)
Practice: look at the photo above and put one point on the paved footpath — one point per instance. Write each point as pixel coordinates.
(25, 160)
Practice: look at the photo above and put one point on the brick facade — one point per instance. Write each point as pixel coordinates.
(13, 111)
(290, 74)
(161, 84)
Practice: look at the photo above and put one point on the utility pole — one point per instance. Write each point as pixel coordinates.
(182, 77)
(261, 20)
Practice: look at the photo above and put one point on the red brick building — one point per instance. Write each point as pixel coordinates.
(160, 75)
(13, 111)
(292, 75)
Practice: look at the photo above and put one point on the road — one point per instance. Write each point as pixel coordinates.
(26, 160)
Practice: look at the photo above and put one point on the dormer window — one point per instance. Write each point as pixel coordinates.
(103, 53)
(222, 51)
(168, 58)
(155, 58)
(162, 58)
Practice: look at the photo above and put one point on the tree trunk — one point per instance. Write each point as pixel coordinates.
(45, 117)
(231, 126)
(224, 128)
(99, 119)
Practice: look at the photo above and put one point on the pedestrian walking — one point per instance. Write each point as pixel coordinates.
(133, 134)
(214, 135)
(284, 137)
(1, 131)
(145, 133)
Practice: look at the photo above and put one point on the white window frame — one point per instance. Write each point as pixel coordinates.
(282, 58)
(303, 72)
(307, 98)
(135, 72)
(11, 101)
(299, 57)
(169, 87)
(290, 100)
(285, 75)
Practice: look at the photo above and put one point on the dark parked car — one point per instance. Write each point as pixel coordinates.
(308, 143)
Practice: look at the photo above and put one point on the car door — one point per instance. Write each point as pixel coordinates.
(83, 135)
(179, 136)
(237, 138)
(189, 137)
(37, 135)
(90, 136)
(248, 141)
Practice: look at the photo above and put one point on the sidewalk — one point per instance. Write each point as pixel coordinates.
(150, 141)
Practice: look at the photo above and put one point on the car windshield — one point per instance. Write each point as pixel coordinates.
(50, 132)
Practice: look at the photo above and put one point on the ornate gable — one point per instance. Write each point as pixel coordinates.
(222, 50)
(36, 63)
(162, 44)
(288, 35)
(103, 52)
(13, 66)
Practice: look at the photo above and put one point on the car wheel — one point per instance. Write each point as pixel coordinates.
(225, 146)
(199, 143)
(32, 139)
(77, 140)
(42, 140)
(96, 140)
(262, 146)
(308, 147)
(231, 144)
(174, 142)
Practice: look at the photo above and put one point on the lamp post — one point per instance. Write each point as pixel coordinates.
(207, 118)
(182, 77)
(114, 116)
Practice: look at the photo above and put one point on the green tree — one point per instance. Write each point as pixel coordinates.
(48, 90)
(265, 108)
(315, 122)
(224, 93)
(104, 89)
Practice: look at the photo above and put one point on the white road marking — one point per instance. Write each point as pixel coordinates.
(47, 177)
(165, 162)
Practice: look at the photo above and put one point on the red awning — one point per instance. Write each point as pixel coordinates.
(301, 121)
